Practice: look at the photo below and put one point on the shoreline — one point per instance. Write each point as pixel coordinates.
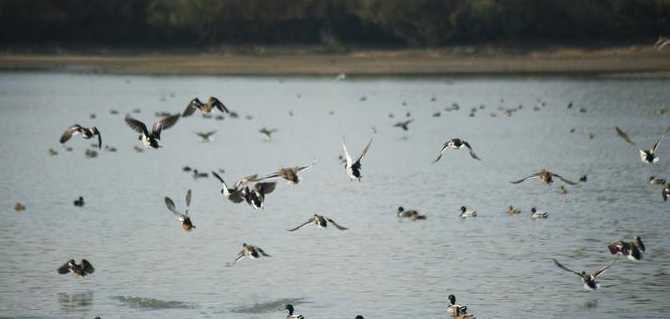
(635, 62)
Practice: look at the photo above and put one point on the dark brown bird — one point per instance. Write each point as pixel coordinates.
(290, 174)
(320, 221)
(403, 124)
(545, 177)
(205, 108)
(83, 269)
(633, 250)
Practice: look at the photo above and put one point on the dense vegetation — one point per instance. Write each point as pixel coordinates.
(417, 23)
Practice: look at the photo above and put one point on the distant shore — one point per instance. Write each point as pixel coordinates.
(636, 61)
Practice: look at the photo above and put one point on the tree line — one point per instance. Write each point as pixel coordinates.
(336, 23)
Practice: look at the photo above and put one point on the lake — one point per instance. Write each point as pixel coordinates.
(498, 265)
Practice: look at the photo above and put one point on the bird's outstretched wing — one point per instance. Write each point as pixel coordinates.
(72, 130)
(306, 167)
(472, 153)
(602, 270)
(64, 269)
(164, 123)
(265, 188)
(137, 126)
(439, 156)
(347, 156)
(625, 137)
(565, 268)
(217, 104)
(311, 220)
(338, 226)
(365, 150)
(239, 257)
(660, 138)
(263, 252)
(88, 268)
(191, 107)
(99, 138)
(221, 180)
(563, 179)
(637, 241)
(188, 201)
(170, 205)
(526, 178)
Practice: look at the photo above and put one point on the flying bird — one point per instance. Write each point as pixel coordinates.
(403, 124)
(290, 174)
(666, 192)
(267, 132)
(255, 196)
(185, 221)
(80, 270)
(633, 250)
(234, 194)
(647, 156)
(321, 222)
(545, 177)
(206, 136)
(85, 132)
(248, 251)
(353, 169)
(205, 108)
(150, 140)
(456, 143)
(589, 280)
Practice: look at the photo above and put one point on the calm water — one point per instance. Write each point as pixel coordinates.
(500, 266)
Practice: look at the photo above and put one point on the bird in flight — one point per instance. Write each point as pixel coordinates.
(150, 140)
(649, 155)
(85, 132)
(353, 169)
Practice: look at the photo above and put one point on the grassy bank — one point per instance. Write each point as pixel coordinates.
(638, 61)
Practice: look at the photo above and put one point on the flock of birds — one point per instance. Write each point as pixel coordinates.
(253, 189)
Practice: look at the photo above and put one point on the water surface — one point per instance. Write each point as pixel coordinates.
(500, 266)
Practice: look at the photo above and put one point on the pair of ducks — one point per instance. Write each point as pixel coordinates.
(534, 213)
(633, 250)
(254, 196)
(411, 214)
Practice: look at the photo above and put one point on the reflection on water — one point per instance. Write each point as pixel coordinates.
(270, 306)
(150, 303)
(589, 304)
(70, 302)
